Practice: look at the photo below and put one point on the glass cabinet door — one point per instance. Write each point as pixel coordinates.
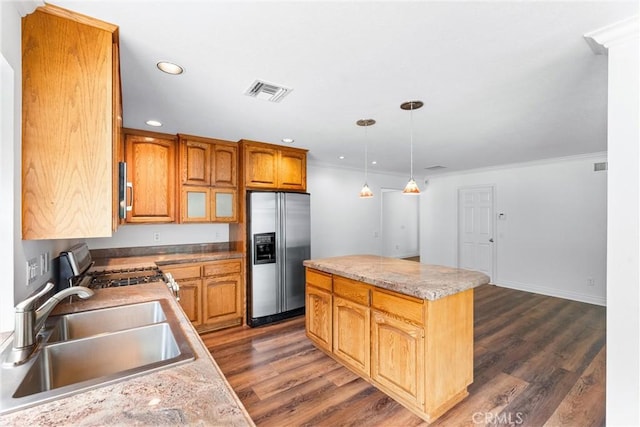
(195, 204)
(224, 205)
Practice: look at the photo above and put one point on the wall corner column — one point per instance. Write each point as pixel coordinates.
(620, 42)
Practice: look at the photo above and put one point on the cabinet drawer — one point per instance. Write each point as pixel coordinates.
(220, 268)
(403, 306)
(186, 272)
(319, 279)
(351, 290)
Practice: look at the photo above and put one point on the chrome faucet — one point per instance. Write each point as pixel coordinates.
(29, 320)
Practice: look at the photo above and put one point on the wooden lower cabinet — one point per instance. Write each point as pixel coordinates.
(191, 299)
(188, 278)
(212, 293)
(351, 334)
(223, 292)
(419, 352)
(319, 308)
(397, 357)
(318, 317)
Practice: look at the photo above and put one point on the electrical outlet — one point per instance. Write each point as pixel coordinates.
(33, 270)
(156, 237)
(590, 281)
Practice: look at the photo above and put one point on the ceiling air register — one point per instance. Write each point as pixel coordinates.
(267, 91)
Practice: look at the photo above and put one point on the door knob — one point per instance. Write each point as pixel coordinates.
(491, 240)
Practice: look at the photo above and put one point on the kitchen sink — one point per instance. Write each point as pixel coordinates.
(87, 359)
(85, 350)
(88, 323)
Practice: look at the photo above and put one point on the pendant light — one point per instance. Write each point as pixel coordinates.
(412, 187)
(366, 192)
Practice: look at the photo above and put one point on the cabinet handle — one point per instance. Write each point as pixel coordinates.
(130, 187)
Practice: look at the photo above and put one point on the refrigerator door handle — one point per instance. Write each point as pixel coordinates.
(280, 248)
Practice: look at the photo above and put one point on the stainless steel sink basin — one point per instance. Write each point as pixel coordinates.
(100, 357)
(88, 323)
(86, 350)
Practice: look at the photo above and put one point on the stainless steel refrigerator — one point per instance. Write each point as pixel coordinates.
(279, 240)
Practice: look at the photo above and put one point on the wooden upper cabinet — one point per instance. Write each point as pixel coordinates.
(209, 179)
(70, 108)
(151, 166)
(274, 167)
(208, 161)
(196, 169)
(292, 169)
(261, 166)
(224, 165)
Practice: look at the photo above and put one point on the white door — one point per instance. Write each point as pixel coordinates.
(475, 229)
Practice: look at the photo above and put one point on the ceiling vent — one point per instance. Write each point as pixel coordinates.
(435, 168)
(267, 91)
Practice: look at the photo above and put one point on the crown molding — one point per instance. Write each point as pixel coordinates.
(601, 39)
(25, 7)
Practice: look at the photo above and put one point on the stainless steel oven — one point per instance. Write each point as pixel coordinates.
(75, 269)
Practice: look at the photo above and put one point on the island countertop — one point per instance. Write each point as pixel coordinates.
(425, 281)
(192, 393)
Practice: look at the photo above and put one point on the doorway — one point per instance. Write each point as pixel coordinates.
(399, 224)
(476, 249)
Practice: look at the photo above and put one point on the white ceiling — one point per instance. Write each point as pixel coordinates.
(502, 82)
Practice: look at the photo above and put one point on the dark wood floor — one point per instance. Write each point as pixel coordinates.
(538, 361)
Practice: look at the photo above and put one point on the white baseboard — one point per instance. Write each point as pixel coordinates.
(560, 293)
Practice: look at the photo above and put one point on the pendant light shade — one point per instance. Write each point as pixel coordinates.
(366, 192)
(411, 187)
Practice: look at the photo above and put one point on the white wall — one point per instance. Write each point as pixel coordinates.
(341, 222)
(554, 236)
(400, 217)
(623, 245)
(13, 286)
(169, 234)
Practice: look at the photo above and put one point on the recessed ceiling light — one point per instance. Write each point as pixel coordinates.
(374, 162)
(288, 140)
(170, 67)
(341, 157)
(153, 123)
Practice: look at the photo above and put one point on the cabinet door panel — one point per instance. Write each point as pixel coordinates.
(151, 165)
(224, 202)
(67, 133)
(224, 171)
(397, 353)
(292, 170)
(196, 204)
(222, 299)
(261, 167)
(318, 320)
(190, 299)
(195, 162)
(351, 337)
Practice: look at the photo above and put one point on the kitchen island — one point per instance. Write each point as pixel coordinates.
(405, 327)
(192, 393)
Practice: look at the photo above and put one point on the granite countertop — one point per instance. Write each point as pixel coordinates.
(193, 393)
(162, 259)
(424, 281)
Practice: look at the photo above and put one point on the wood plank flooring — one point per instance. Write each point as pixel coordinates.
(538, 361)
